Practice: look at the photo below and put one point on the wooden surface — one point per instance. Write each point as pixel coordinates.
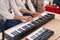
(53, 25)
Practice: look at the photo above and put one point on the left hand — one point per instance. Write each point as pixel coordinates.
(35, 14)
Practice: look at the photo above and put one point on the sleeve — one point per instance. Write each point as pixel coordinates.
(15, 8)
(4, 12)
(30, 5)
(20, 4)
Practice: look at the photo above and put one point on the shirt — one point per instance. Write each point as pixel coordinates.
(21, 3)
(4, 12)
(5, 5)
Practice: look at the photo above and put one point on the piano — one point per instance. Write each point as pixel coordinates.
(18, 32)
(40, 34)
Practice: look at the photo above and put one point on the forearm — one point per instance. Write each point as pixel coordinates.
(17, 17)
(30, 5)
(25, 11)
(15, 8)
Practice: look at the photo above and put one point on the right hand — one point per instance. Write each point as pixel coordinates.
(27, 18)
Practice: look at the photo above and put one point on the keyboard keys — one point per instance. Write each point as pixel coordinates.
(14, 33)
(46, 16)
(30, 25)
(50, 14)
(34, 22)
(48, 34)
(18, 31)
(40, 19)
(37, 34)
(41, 31)
(25, 27)
(43, 18)
(33, 37)
(43, 34)
(21, 30)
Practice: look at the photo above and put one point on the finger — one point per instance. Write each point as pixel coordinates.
(30, 19)
(34, 14)
(40, 16)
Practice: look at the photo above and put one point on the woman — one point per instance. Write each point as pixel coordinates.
(11, 17)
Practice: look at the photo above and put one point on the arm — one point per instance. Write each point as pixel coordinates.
(30, 5)
(23, 9)
(26, 11)
(20, 4)
(4, 11)
(15, 8)
(6, 14)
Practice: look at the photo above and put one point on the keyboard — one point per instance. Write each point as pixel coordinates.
(16, 32)
(40, 34)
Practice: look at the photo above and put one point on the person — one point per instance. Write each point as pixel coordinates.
(38, 5)
(11, 17)
(26, 7)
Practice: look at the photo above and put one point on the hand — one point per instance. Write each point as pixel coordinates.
(35, 14)
(27, 18)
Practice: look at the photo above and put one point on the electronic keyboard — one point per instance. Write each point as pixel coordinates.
(40, 34)
(16, 32)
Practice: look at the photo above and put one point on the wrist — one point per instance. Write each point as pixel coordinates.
(32, 12)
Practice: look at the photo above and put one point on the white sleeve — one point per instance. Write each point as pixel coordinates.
(30, 5)
(4, 12)
(20, 4)
(15, 8)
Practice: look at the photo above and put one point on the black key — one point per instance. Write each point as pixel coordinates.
(48, 34)
(25, 27)
(41, 35)
(41, 31)
(46, 16)
(37, 34)
(21, 30)
(44, 29)
(33, 37)
(13, 33)
(37, 21)
(34, 22)
(50, 14)
(16, 32)
(43, 18)
(40, 19)
(30, 25)
(44, 34)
